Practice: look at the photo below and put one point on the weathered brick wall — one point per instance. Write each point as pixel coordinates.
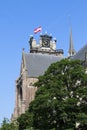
(28, 94)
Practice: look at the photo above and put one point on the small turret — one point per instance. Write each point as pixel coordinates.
(33, 43)
(54, 44)
(30, 41)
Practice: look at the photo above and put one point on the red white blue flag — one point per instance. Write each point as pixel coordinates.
(36, 30)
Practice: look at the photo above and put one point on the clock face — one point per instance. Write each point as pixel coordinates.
(45, 43)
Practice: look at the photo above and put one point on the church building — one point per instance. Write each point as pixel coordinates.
(34, 64)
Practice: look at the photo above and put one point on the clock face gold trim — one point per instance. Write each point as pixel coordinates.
(46, 43)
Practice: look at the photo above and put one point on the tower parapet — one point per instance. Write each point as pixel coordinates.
(46, 45)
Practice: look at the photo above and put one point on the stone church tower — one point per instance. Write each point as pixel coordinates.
(34, 64)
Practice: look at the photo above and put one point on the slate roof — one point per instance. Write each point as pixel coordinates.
(36, 63)
(80, 55)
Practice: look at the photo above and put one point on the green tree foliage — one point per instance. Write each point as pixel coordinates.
(61, 99)
(6, 125)
(25, 121)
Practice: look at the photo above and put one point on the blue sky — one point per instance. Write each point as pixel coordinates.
(18, 19)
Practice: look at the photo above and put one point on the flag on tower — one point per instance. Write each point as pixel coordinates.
(36, 30)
